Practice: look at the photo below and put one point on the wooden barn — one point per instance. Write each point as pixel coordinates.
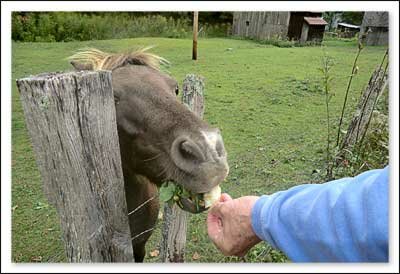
(271, 24)
(376, 26)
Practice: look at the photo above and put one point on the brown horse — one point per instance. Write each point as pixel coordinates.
(160, 138)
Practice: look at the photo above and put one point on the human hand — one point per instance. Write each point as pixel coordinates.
(229, 225)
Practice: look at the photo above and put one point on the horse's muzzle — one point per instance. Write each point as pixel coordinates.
(190, 206)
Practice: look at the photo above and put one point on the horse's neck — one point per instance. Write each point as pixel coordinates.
(138, 189)
(134, 179)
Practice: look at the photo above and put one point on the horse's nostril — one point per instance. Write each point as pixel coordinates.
(190, 151)
(186, 154)
(214, 142)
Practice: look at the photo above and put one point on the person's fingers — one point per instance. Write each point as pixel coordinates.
(216, 209)
(225, 197)
(214, 223)
(214, 227)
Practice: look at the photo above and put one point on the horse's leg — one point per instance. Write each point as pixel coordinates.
(139, 251)
(143, 220)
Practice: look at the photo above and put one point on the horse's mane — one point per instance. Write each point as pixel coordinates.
(100, 60)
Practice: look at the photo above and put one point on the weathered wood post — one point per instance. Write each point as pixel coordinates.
(362, 117)
(175, 219)
(195, 31)
(71, 121)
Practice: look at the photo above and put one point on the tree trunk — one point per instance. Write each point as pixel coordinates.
(71, 121)
(175, 219)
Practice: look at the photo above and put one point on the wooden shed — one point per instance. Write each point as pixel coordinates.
(346, 30)
(376, 26)
(270, 24)
(313, 29)
(296, 23)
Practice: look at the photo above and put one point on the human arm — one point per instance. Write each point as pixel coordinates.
(342, 220)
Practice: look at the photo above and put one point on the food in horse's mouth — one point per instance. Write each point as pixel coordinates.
(212, 196)
(194, 203)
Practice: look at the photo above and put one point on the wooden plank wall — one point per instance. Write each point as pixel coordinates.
(378, 22)
(261, 25)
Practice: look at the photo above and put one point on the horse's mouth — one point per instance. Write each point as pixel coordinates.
(199, 202)
(190, 205)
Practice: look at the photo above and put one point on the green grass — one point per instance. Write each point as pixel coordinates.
(266, 100)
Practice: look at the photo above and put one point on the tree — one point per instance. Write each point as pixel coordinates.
(329, 17)
(353, 17)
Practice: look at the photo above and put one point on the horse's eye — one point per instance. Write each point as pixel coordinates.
(177, 90)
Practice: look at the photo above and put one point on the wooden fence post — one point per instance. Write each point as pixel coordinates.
(175, 219)
(362, 117)
(71, 121)
(195, 32)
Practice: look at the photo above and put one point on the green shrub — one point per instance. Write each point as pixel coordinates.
(215, 30)
(373, 152)
(70, 26)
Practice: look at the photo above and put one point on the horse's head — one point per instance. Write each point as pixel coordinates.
(160, 138)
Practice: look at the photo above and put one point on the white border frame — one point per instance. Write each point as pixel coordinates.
(8, 7)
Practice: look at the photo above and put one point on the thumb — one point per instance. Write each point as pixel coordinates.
(225, 197)
(217, 206)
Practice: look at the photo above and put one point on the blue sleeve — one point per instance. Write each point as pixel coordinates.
(342, 220)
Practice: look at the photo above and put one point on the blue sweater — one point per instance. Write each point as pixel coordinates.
(344, 220)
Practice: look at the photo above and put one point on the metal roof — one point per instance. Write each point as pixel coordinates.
(348, 25)
(315, 21)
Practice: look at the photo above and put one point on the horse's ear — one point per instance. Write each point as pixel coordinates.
(81, 66)
(122, 121)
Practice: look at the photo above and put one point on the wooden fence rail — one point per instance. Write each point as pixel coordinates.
(71, 121)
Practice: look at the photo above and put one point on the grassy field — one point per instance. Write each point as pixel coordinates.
(267, 101)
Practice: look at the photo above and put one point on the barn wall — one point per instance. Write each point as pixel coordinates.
(378, 37)
(260, 25)
(378, 24)
(376, 19)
